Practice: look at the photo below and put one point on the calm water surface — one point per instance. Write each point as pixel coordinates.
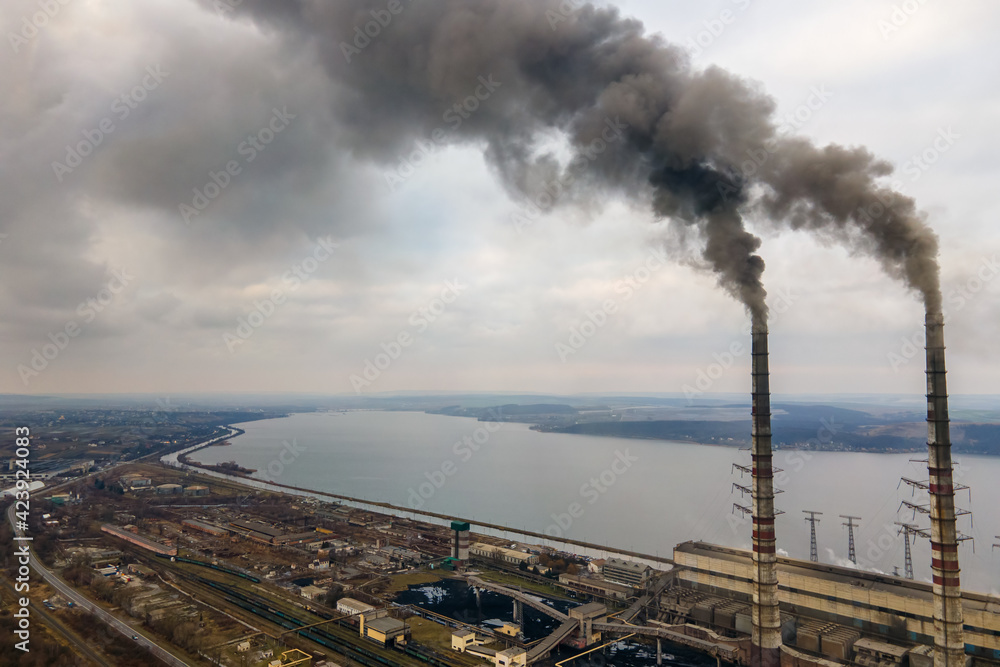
(643, 495)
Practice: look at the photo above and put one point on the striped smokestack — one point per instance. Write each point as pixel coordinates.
(766, 641)
(949, 642)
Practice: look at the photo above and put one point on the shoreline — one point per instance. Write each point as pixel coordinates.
(492, 529)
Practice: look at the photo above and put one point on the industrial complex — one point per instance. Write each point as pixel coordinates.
(319, 579)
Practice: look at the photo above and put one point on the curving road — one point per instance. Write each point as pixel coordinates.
(70, 593)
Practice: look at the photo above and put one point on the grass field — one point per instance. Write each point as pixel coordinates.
(430, 633)
(401, 582)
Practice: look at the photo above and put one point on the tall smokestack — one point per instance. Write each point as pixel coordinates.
(949, 641)
(766, 641)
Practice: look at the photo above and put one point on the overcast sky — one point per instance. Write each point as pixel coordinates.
(125, 268)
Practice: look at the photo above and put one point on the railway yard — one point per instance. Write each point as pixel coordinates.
(219, 573)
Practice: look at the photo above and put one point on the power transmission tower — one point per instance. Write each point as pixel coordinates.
(909, 529)
(813, 549)
(851, 553)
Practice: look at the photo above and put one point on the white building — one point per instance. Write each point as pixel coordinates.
(509, 556)
(353, 607)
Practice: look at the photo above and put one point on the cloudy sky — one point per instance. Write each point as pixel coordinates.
(131, 260)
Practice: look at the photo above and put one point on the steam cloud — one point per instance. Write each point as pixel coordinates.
(570, 71)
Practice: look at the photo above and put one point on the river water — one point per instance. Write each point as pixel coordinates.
(642, 495)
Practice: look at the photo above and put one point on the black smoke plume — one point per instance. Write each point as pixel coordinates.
(684, 136)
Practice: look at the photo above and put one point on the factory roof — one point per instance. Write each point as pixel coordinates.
(386, 624)
(462, 634)
(355, 604)
(257, 527)
(589, 610)
(638, 568)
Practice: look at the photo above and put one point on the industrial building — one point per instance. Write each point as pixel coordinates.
(466, 641)
(135, 480)
(509, 556)
(463, 639)
(47, 469)
(828, 599)
(511, 657)
(597, 587)
(256, 530)
(139, 541)
(626, 572)
(311, 592)
(386, 630)
(210, 528)
(353, 607)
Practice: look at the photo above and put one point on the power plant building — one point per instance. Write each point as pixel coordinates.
(895, 609)
(626, 572)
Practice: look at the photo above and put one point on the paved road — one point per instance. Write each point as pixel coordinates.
(56, 625)
(70, 593)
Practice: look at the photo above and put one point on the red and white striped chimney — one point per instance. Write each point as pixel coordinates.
(765, 650)
(949, 641)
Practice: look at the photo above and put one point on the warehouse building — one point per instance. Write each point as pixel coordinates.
(210, 528)
(353, 607)
(509, 556)
(139, 541)
(386, 631)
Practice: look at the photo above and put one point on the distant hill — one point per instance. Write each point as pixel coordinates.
(810, 426)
